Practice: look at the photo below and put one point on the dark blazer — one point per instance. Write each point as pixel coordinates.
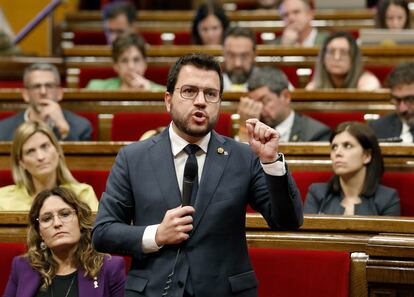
(307, 129)
(80, 128)
(142, 186)
(24, 281)
(388, 126)
(385, 202)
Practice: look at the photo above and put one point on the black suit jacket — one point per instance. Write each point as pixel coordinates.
(80, 128)
(307, 129)
(388, 127)
(142, 186)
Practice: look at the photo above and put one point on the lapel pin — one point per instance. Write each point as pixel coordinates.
(95, 282)
(295, 137)
(221, 151)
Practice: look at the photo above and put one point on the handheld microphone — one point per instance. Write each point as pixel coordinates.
(190, 173)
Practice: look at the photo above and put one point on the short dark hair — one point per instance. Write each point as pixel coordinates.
(123, 42)
(402, 74)
(114, 9)
(203, 11)
(240, 32)
(268, 76)
(375, 168)
(199, 60)
(382, 11)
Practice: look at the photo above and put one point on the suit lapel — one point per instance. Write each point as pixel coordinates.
(216, 160)
(295, 133)
(164, 169)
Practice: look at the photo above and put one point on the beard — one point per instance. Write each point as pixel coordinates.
(239, 75)
(183, 123)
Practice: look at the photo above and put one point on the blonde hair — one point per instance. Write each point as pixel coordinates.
(21, 177)
(85, 256)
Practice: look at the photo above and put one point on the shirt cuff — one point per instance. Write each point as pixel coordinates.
(276, 168)
(149, 244)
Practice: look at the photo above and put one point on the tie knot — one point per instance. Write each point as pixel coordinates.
(191, 149)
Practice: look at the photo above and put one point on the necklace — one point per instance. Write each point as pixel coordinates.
(70, 287)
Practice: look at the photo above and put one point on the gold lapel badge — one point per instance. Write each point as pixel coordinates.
(221, 151)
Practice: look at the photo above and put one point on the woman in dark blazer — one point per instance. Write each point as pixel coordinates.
(60, 260)
(358, 167)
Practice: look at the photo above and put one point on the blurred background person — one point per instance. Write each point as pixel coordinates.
(239, 52)
(38, 163)
(61, 260)
(339, 65)
(119, 18)
(269, 101)
(129, 62)
(268, 4)
(209, 23)
(398, 125)
(297, 16)
(43, 93)
(358, 168)
(393, 14)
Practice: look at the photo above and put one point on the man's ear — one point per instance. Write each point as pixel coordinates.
(167, 101)
(286, 95)
(25, 95)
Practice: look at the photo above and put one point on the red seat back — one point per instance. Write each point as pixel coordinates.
(6, 178)
(89, 37)
(304, 179)
(301, 273)
(95, 178)
(11, 84)
(381, 72)
(332, 119)
(402, 182)
(6, 114)
(8, 251)
(131, 126)
(92, 117)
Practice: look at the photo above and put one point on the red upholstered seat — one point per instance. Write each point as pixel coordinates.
(6, 114)
(381, 72)
(92, 117)
(332, 119)
(8, 251)
(301, 273)
(96, 178)
(304, 179)
(131, 126)
(11, 84)
(89, 37)
(6, 178)
(403, 183)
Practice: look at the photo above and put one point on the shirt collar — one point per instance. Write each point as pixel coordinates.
(285, 127)
(310, 40)
(178, 143)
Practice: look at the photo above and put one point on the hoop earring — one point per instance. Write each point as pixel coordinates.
(43, 246)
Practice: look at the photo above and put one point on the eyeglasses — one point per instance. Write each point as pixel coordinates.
(397, 100)
(340, 53)
(38, 87)
(191, 92)
(65, 215)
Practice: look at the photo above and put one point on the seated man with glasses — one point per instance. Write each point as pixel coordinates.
(42, 92)
(399, 125)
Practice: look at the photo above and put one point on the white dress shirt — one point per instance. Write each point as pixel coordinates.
(285, 127)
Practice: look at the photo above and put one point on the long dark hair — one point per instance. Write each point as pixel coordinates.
(382, 11)
(374, 169)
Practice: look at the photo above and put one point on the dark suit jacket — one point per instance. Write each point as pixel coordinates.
(385, 202)
(388, 126)
(80, 128)
(142, 186)
(24, 281)
(307, 129)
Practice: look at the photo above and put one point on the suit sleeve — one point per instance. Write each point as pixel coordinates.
(277, 198)
(113, 232)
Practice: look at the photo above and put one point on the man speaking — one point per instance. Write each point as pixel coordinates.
(198, 249)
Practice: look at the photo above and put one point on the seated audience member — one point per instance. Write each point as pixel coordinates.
(339, 65)
(393, 14)
(398, 124)
(61, 260)
(297, 16)
(269, 100)
(358, 167)
(209, 24)
(38, 163)
(129, 61)
(119, 17)
(42, 91)
(239, 52)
